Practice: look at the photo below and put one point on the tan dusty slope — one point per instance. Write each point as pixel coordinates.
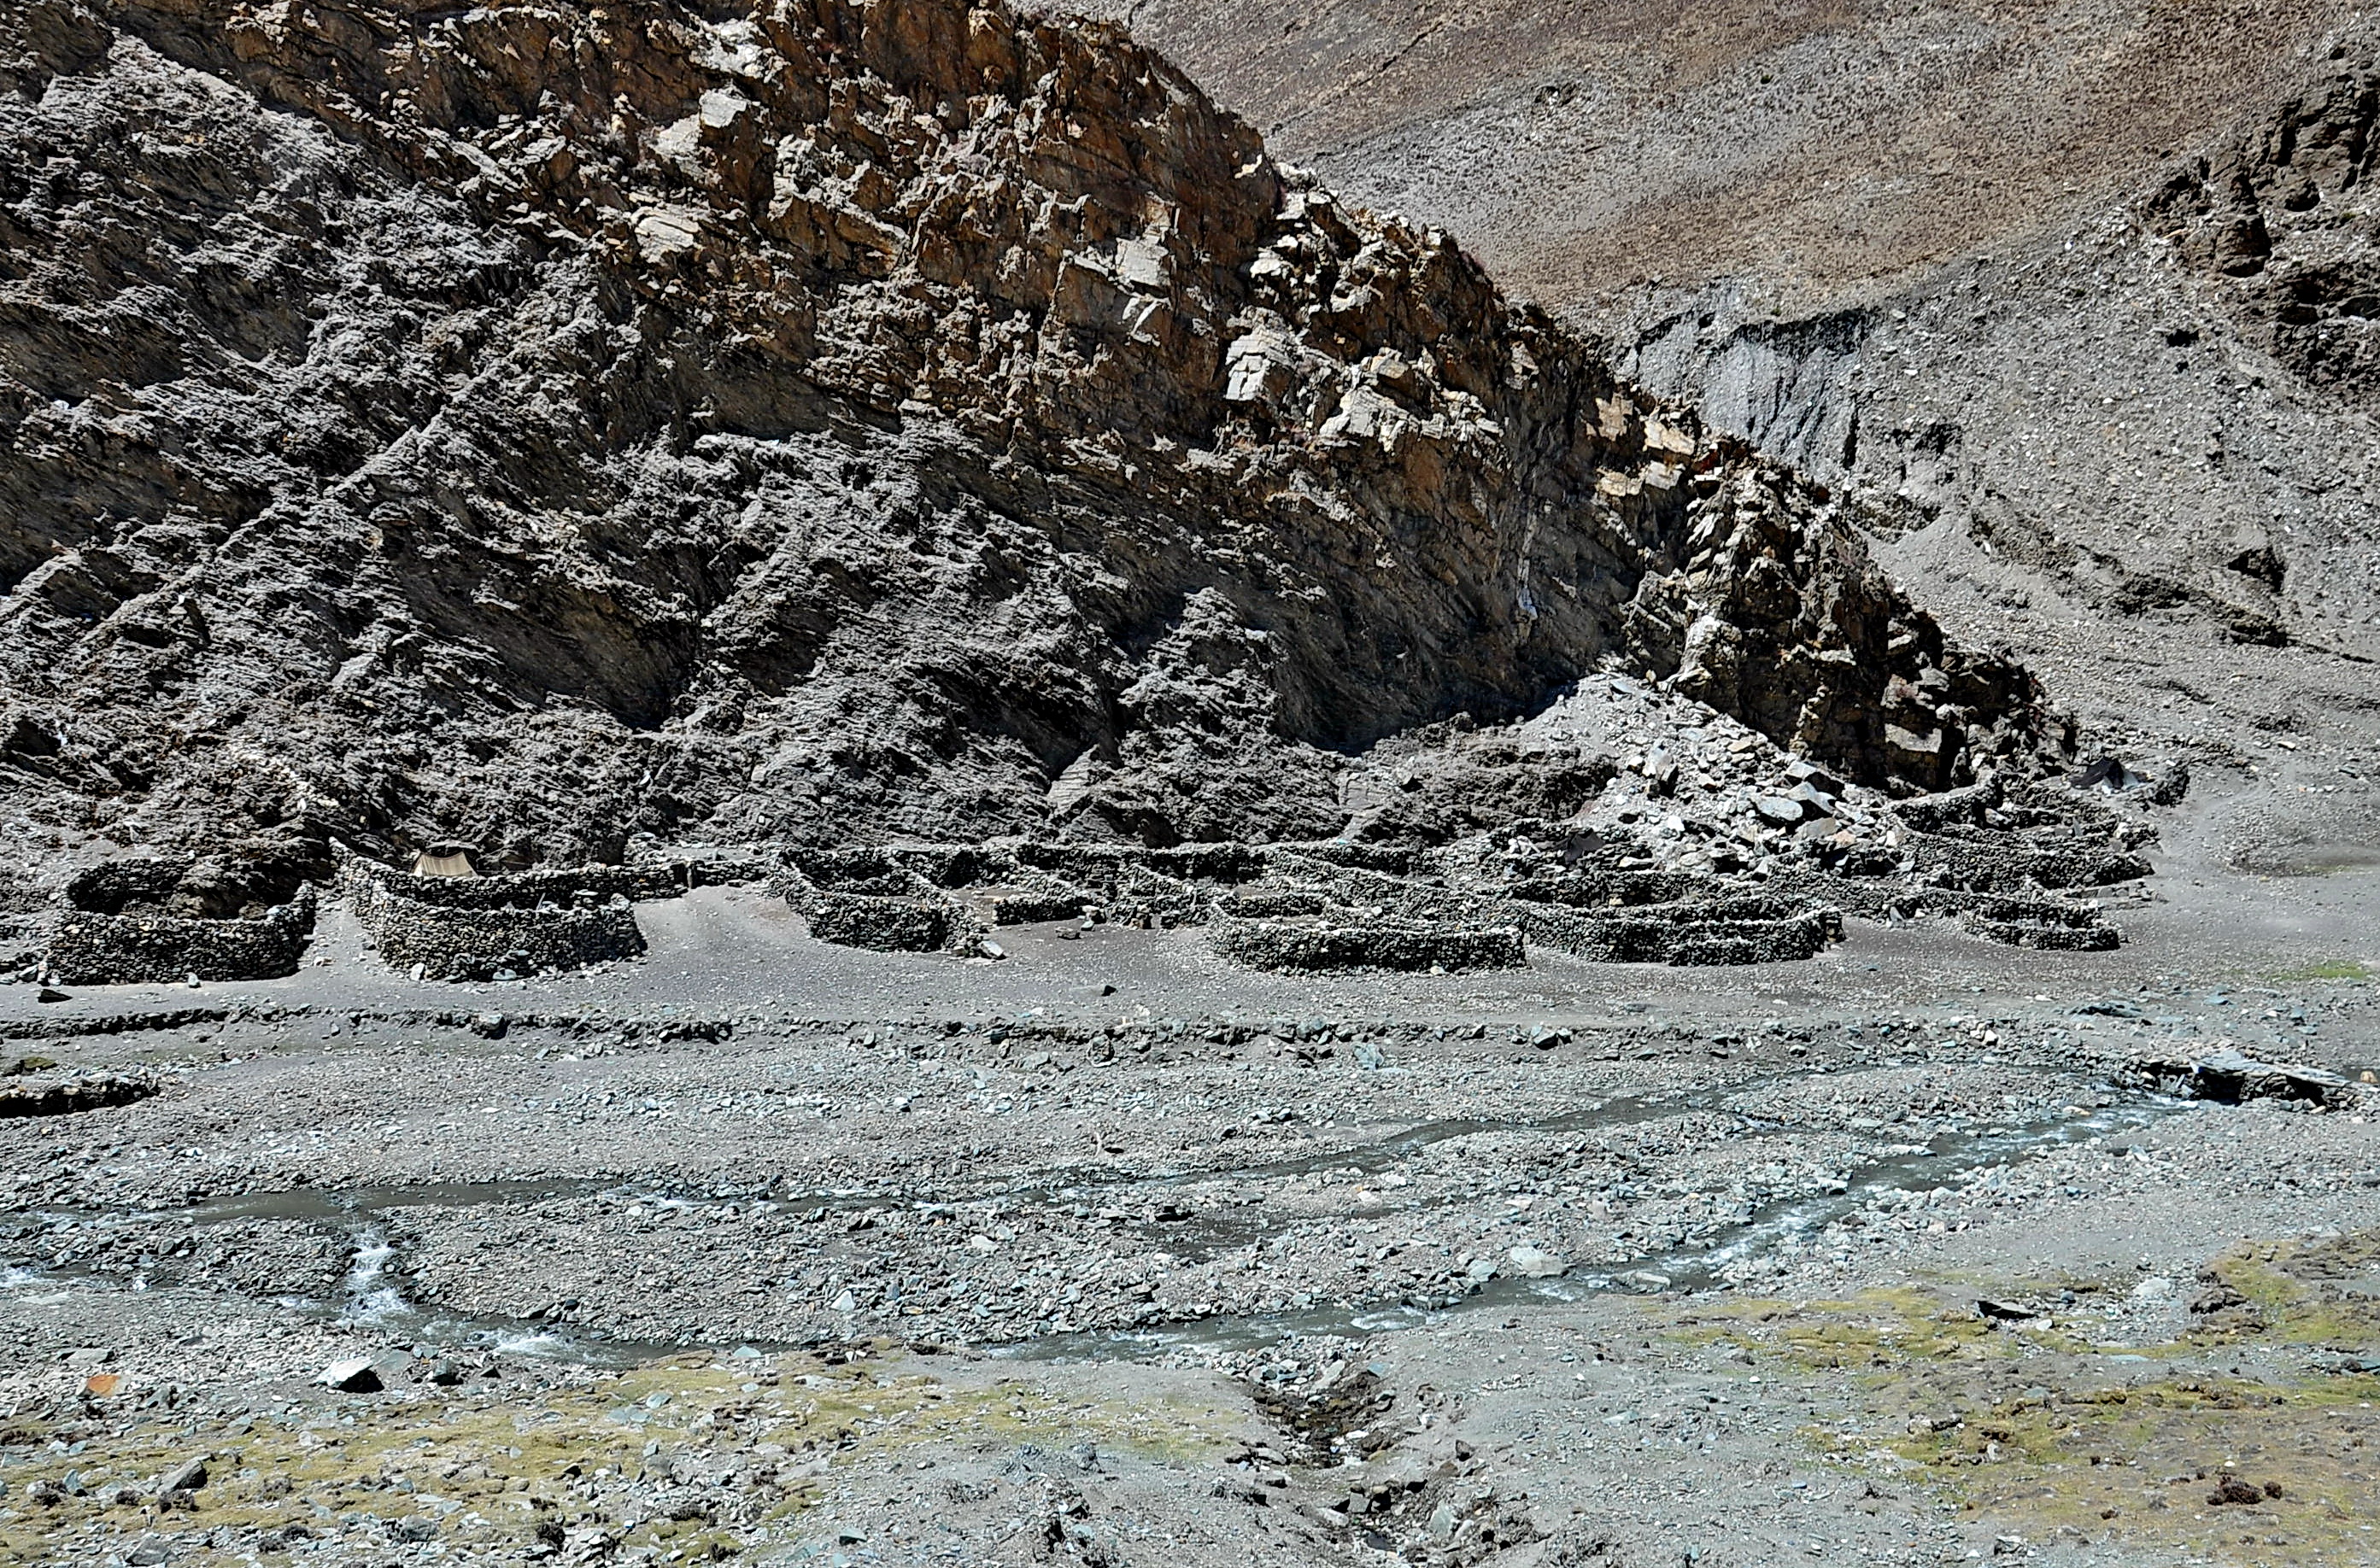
(1586, 147)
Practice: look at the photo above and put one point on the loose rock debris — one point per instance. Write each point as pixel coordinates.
(1323, 1288)
(44, 1096)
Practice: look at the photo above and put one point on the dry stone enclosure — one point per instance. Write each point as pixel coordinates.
(503, 926)
(161, 919)
(2014, 864)
(1440, 947)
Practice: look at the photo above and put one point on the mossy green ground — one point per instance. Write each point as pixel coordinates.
(2323, 968)
(2050, 1431)
(495, 1462)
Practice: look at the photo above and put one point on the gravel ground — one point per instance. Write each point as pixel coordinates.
(1108, 1253)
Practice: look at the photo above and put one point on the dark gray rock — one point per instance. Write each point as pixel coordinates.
(2232, 1077)
(189, 1475)
(572, 446)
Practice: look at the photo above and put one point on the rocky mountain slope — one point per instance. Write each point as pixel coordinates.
(545, 426)
(2076, 301)
(2167, 406)
(1588, 147)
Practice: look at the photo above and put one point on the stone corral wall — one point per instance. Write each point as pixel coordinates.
(1187, 862)
(1279, 946)
(2043, 924)
(1720, 929)
(1602, 915)
(888, 900)
(1026, 908)
(947, 898)
(90, 948)
(1980, 864)
(499, 925)
(886, 924)
(2007, 862)
(527, 890)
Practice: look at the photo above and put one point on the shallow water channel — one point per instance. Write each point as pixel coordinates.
(1948, 1161)
(371, 1295)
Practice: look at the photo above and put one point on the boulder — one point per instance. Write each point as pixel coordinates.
(356, 1375)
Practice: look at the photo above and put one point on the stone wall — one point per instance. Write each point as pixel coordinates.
(2036, 919)
(92, 948)
(1024, 909)
(1603, 915)
(1984, 865)
(887, 900)
(1712, 930)
(1993, 837)
(527, 890)
(2042, 925)
(1599, 889)
(1984, 855)
(1376, 945)
(457, 941)
(886, 924)
(1272, 903)
(1187, 862)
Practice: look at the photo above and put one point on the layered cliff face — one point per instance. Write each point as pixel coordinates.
(545, 426)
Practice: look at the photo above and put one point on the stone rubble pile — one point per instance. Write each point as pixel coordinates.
(2232, 1077)
(51, 1095)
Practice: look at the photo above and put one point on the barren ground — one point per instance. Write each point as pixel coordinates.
(1108, 1252)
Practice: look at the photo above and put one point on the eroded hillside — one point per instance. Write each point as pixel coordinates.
(544, 426)
(2075, 300)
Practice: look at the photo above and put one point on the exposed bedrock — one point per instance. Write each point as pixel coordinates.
(546, 429)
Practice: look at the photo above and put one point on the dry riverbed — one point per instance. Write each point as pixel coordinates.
(1903, 1255)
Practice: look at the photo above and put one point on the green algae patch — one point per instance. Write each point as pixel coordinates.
(2187, 1466)
(2323, 968)
(2310, 1291)
(2036, 1426)
(708, 1460)
(1875, 1328)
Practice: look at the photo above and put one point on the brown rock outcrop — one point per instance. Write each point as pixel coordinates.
(2279, 212)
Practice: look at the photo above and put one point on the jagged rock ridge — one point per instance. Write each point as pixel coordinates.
(542, 427)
